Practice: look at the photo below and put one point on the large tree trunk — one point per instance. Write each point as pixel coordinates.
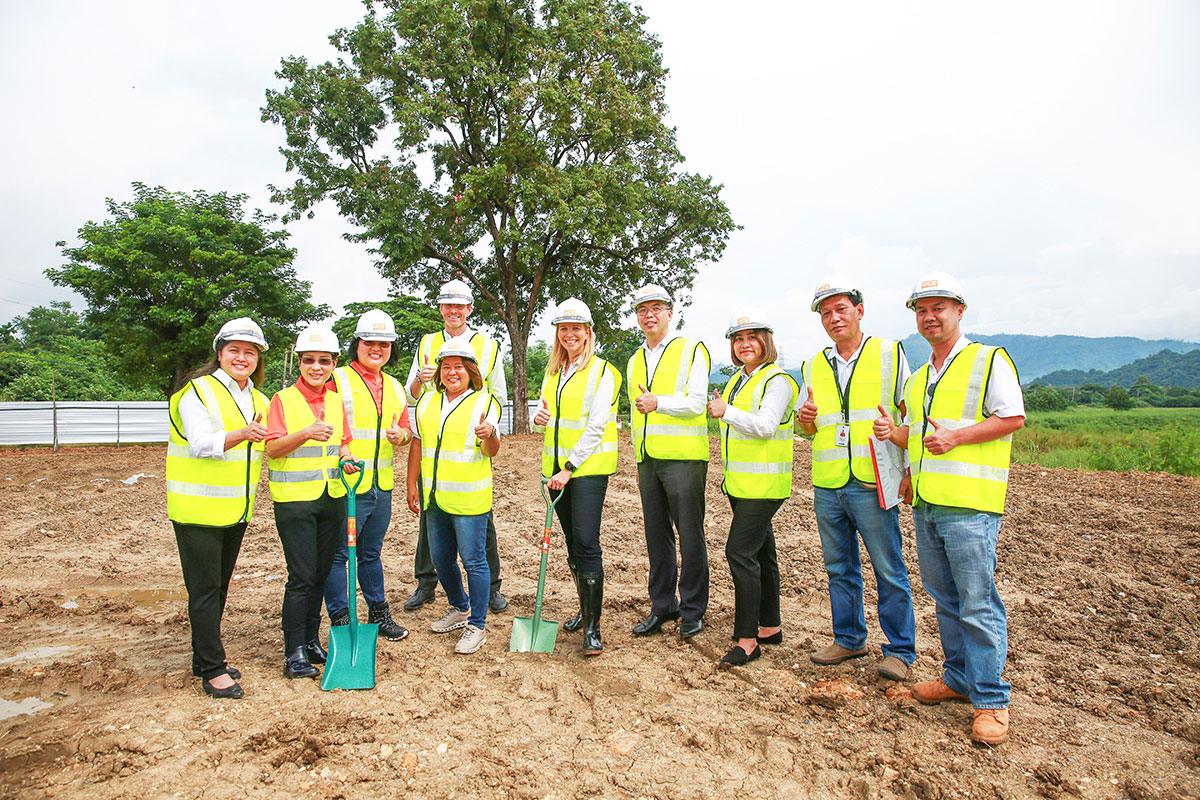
(519, 343)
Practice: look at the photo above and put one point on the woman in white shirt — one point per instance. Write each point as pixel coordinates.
(579, 452)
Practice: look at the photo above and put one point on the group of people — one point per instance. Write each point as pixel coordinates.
(953, 418)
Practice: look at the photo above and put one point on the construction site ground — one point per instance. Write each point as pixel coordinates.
(1098, 572)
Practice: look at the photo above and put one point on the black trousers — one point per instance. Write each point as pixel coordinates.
(673, 500)
(309, 531)
(751, 555)
(579, 514)
(207, 556)
(423, 570)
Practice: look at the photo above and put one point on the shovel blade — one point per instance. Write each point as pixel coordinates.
(533, 636)
(351, 663)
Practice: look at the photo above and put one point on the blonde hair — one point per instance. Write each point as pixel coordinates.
(770, 354)
(559, 357)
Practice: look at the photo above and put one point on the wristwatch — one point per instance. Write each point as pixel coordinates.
(569, 467)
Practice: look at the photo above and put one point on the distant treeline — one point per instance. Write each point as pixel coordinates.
(1143, 393)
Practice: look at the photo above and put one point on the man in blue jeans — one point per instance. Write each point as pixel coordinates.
(848, 386)
(963, 406)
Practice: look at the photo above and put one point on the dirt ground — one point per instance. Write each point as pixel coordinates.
(1097, 570)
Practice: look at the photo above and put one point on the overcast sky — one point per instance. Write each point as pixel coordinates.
(1047, 154)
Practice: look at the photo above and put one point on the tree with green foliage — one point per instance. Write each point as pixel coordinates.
(1044, 398)
(413, 317)
(517, 144)
(536, 359)
(169, 268)
(617, 348)
(1118, 399)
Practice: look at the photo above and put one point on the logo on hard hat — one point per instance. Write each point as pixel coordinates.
(929, 284)
(378, 326)
(314, 337)
(743, 320)
(822, 288)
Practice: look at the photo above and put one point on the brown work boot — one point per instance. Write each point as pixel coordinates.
(933, 692)
(990, 726)
(893, 669)
(835, 654)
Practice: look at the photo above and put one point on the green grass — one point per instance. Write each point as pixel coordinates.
(1146, 439)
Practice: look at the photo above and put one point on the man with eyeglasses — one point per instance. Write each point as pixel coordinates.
(667, 380)
(963, 406)
(455, 302)
(846, 384)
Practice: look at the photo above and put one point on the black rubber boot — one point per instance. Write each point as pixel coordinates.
(575, 622)
(388, 627)
(591, 591)
(316, 654)
(297, 665)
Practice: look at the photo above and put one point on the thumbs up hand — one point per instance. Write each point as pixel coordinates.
(427, 371)
(717, 406)
(940, 441)
(255, 431)
(396, 434)
(883, 425)
(320, 430)
(542, 417)
(808, 411)
(645, 402)
(484, 429)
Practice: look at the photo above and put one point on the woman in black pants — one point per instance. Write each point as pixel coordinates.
(579, 452)
(756, 448)
(214, 460)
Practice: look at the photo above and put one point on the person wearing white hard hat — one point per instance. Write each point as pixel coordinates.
(451, 454)
(755, 413)
(847, 386)
(667, 380)
(963, 407)
(455, 303)
(377, 409)
(308, 435)
(214, 460)
(579, 451)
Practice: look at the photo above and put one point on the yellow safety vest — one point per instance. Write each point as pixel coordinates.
(971, 476)
(367, 425)
(312, 467)
(758, 468)
(486, 350)
(662, 435)
(873, 383)
(215, 492)
(569, 406)
(454, 471)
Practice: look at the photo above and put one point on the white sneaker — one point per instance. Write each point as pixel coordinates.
(453, 620)
(471, 640)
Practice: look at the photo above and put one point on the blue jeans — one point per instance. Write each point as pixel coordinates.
(455, 535)
(956, 550)
(842, 516)
(373, 508)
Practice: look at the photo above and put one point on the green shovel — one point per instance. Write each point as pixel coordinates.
(537, 634)
(351, 662)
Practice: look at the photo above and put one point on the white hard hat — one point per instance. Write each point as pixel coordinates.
(317, 339)
(242, 329)
(572, 310)
(375, 326)
(834, 285)
(456, 291)
(936, 284)
(651, 292)
(747, 319)
(457, 346)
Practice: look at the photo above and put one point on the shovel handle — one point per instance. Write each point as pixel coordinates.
(342, 474)
(550, 504)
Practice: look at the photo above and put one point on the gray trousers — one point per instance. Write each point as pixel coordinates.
(673, 501)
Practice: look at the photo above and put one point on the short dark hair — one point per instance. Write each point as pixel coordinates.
(472, 371)
(352, 354)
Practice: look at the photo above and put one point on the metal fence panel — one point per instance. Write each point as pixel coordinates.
(84, 422)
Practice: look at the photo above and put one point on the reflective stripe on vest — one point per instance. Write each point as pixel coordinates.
(454, 471)
(758, 468)
(569, 409)
(662, 435)
(486, 351)
(367, 425)
(214, 492)
(971, 476)
(308, 470)
(872, 384)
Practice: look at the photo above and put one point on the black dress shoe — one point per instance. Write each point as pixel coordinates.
(774, 638)
(690, 627)
(298, 666)
(497, 602)
(419, 598)
(653, 623)
(230, 671)
(316, 654)
(228, 693)
(736, 657)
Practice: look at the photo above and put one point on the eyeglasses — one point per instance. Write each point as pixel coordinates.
(324, 361)
(646, 311)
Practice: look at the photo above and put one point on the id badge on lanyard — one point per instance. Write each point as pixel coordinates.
(841, 437)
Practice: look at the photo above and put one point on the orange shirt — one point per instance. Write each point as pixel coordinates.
(276, 424)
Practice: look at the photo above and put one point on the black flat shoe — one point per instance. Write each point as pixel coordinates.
(774, 638)
(690, 627)
(653, 623)
(230, 671)
(228, 693)
(737, 657)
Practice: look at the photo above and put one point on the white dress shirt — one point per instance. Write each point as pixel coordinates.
(1003, 397)
(674, 405)
(771, 411)
(203, 440)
